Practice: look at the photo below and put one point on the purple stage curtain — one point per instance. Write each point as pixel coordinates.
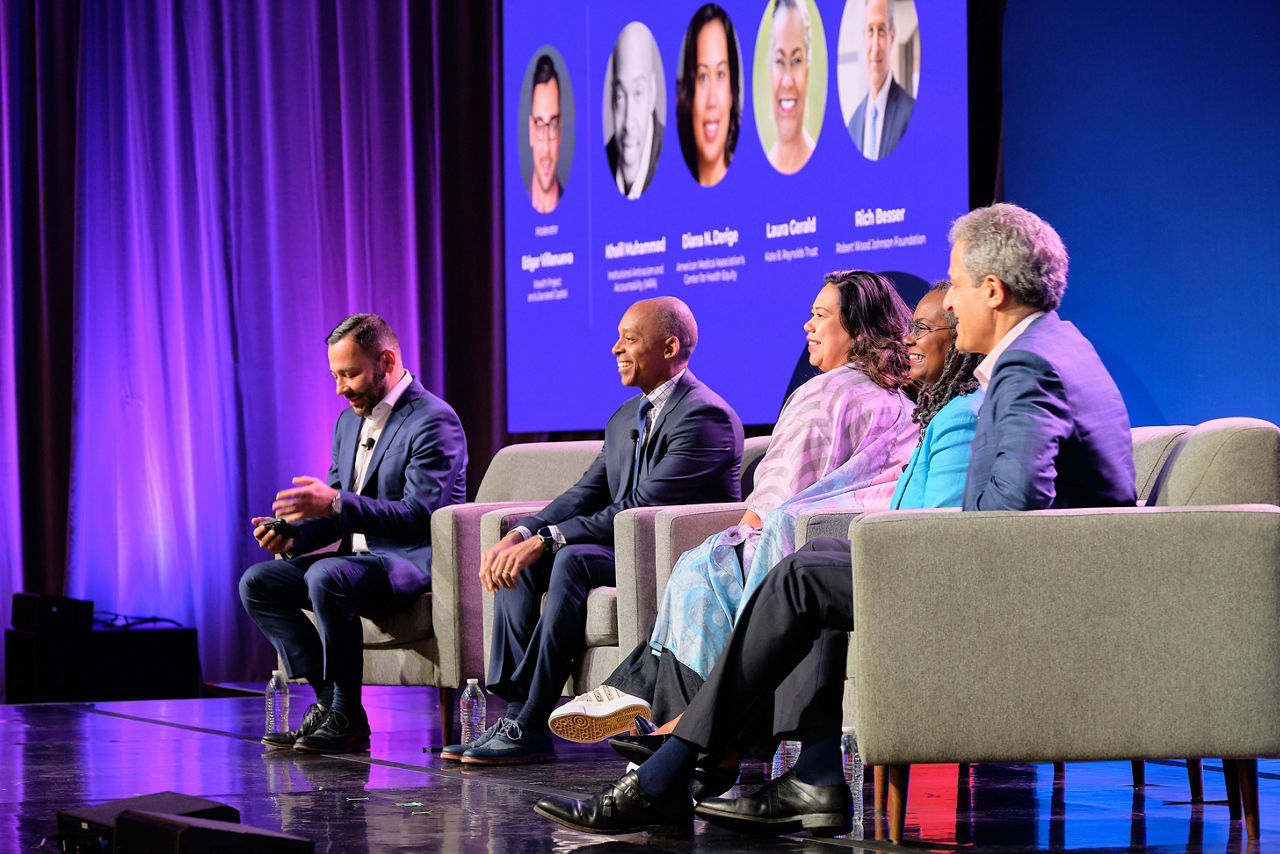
(194, 194)
(10, 494)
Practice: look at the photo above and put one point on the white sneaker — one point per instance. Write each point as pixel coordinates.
(597, 715)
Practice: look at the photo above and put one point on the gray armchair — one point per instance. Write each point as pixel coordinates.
(1148, 632)
(619, 617)
(437, 640)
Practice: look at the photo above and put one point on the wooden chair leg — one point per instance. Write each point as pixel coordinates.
(899, 777)
(1248, 777)
(1139, 773)
(1231, 776)
(1195, 777)
(878, 778)
(1059, 768)
(446, 716)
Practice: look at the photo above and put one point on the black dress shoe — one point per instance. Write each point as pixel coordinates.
(784, 805)
(337, 734)
(637, 748)
(706, 782)
(315, 716)
(643, 726)
(621, 807)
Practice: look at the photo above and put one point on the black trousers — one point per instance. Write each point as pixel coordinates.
(784, 668)
(664, 680)
(339, 589)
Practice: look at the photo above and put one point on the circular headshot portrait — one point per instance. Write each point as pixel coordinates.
(790, 82)
(635, 105)
(545, 128)
(879, 72)
(709, 94)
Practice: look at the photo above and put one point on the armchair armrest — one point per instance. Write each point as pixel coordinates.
(1120, 633)
(456, 595)
(680, 527)
(823, 523)
(633, 544)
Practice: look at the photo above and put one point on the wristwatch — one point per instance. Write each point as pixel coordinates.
(549, 544)
(336, 504)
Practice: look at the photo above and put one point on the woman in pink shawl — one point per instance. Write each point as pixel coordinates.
(840, 441)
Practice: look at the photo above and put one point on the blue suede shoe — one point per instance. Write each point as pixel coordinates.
(453, 752)
(512, 746)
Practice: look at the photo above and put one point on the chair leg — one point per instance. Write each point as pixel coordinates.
(899, 777)
(1139, 773)
(1248, 777)
(1059, 768)
(1231, 776)
(878, 778)
(446, 716)
(1195, 777)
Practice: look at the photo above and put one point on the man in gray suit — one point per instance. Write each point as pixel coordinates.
(676, 443)
(881, 119)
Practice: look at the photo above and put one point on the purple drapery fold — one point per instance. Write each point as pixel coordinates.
(246, 180)
(10, 497)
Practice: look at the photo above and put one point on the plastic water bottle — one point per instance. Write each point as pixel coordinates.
(853, 772)
(471, 709)
(784, 758)
(278, 702)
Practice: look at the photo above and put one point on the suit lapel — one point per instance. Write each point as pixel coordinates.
(347, 442)
(681, 389)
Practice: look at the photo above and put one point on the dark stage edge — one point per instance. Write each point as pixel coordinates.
(398, 797)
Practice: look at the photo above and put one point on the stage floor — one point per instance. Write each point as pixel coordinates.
(397, 797)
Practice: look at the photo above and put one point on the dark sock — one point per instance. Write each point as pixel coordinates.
(670, 766)
(513, 709)
(323, 689)
(819, 760)
(346, 699)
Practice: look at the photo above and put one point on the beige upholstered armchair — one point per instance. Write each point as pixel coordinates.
(1145, 632)
(619, 617)
(438, 640)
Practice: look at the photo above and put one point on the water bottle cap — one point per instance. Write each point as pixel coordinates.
(279, 673)
(473, 681)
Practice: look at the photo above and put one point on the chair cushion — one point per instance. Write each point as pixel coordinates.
(602, 617)
(1224, 461)
(401, 628)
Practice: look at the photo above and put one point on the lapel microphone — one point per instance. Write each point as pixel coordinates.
(368, 443)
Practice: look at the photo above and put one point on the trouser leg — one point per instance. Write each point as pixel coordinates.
(558, 638)
(515, 619)
(807, 593)
(273, 593)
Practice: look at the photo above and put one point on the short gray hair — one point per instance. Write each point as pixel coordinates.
(1018, 248)
(864, 12)
(673, 319)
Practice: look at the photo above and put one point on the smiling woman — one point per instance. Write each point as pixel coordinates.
(709, 95)
(840, 441)
(790, 82)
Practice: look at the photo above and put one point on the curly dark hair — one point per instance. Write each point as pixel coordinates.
(685, 85)
(872, 312)
(956, 379)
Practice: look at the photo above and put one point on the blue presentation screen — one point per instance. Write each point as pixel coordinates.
(730, 155)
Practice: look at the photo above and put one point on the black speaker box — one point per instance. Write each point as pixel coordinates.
(91, 828)
(139, 832)
(36, 612)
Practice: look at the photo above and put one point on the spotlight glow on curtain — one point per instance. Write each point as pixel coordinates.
(245, 181)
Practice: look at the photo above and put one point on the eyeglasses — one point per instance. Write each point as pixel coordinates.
(919, 329)
(546, 130)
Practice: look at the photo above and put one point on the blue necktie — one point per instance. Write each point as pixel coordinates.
(875, 132)
(642, 421)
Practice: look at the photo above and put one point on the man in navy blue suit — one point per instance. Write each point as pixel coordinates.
(399, 453)
(1052, 432)
(676, 443)
(878, 123)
